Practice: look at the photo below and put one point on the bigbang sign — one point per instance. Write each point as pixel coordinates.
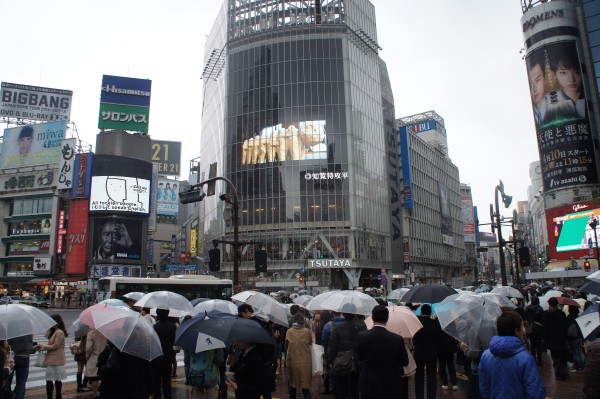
(32, 102)
(560, 112)
(33, 145)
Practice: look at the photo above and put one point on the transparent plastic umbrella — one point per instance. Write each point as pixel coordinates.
(303, 300)
(164, 300)
(544, 298)
(402, 321)
(469, 318)
(267, 305)
(135, 295)
(17, 320)
(315, 303)
(507, 291)
(114, 302)
(128, 330)
(398, 293)
(215, 305)
(349, 302)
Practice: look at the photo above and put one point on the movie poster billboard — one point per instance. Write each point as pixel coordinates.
(569, 230)
(117, 238)
(167, 196)
(561, 117)
(300, 141)
(167, 155)
(33, 102)
(33, 145)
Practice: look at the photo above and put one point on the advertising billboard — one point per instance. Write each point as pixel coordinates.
(33, 102)
(561, 117)
(569, 232)
(124, 103)
(33, 145)
(445, 216)
(167, 155)
(120, 194)
(468, 219)
(82, 176)
(167, 197)
(406, 170)
(77, 238)
(117, 238)
(67, 163)
(300, 141)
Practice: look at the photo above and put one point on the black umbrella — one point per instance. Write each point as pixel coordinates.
(229, 329)
(428, 293)
(591, 287)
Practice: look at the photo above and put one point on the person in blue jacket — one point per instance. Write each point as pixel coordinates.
(506, 369)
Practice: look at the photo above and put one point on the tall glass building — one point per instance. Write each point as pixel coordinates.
(298, 114)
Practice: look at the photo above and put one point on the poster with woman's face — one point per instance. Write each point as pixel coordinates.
(32, 145)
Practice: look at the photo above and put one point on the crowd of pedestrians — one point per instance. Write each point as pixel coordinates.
(374, 363)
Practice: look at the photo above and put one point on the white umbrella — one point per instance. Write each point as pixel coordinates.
(17, 320)
(500, 300)
(349, 302)
(303, 300)
(315, 303)
(263, 303)
(588, 322)
(544, 298)
(398, 293)
(507, 291)
(136, 296)
(213, 305)
(241, 297)
(594, 276)
(165, 300)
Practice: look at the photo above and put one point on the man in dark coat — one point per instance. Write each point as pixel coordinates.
(381, 356)
(162, 365)
(591, 371)
(250, 375)
(424, 343)
(554, 321)
(344, 338)
(533, 315)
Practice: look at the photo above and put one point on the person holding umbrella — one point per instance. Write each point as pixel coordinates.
(249, 372)
(424, 343)
(55, 357)
(23, 348)
(162, 365)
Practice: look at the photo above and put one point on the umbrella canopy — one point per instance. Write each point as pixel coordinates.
(497, 299)
(397, 293)
(189, 335)
(544, 298)
(348, 302)
(303, 300)
(594, 276)
(80, 329)
(215, 305)
(241, 297)
(563, 300)
(402, 321)
(265, 304)
(469, 318)
(85, 314)
(315, 303)
(227, 329)
(507, 291)
(113, 302)
(427, 293)
(128, 330)
(17, 320)
(196, 301)
(588, 322)
(590, 287)
(164, 300)
(134, 296)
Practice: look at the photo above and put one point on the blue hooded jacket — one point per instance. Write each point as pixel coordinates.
(507, 371)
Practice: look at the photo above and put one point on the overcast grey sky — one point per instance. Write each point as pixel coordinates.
(457, 57)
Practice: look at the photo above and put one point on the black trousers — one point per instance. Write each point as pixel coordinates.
(559, 362)
(345, 386)
(162, 379)
(429, 367)
(447, 368)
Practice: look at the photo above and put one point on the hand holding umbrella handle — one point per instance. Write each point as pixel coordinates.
(463, 346)
(231, 384)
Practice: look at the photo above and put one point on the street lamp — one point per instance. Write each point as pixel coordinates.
(506, 199)
(593, 224)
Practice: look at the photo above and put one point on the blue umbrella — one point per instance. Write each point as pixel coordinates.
(588, 321)
(191, 337)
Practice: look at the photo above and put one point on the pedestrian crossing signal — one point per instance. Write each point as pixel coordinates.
(586, 265)
(301, 280)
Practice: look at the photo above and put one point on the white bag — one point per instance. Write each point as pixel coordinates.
(41, 358)
(316, 354)
(412, 365)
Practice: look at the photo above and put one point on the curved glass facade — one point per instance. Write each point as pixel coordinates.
(303, 138)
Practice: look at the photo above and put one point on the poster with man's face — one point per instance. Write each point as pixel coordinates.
(32, 145)
(117, 238)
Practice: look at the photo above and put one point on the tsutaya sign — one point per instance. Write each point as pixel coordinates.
(328, 263)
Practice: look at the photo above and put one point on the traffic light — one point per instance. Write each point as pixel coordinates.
(586, 265)
(191, 195)
(524, 258)
(301, 280)
(214, 259)
(260, 261)
(184, 258)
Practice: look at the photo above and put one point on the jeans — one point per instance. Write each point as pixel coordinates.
(21, 375)
(575, 346)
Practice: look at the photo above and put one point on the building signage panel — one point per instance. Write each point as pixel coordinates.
(120, 194)
(468, 219)
(560, 112)
(28, 180)
(167, 155)
(181, 268)
(127, 91)
(445, 216)
(117, 238)
(329, 263)
(42, 264)
(33, 102)
(98, 271)
(406, 168)
(167, 197)
(77, 237)
(193, 242)
(33, 145)
(67, 163)
(82, 177)
(123, 117)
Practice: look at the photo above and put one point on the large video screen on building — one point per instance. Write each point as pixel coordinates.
(304, 140)
(560, 112)
(117, 238)
(33, 145)
(569, 231)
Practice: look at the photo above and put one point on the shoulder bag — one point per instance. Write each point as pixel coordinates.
(41, 359)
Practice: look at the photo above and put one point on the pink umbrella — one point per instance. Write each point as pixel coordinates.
(402, 321)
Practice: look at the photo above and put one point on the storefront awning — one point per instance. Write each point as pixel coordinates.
(39, 280)
(70, 279)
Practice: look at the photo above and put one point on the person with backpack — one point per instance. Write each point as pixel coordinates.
(204, 373)
(342, 354)
(533, 315)
(328, 328)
